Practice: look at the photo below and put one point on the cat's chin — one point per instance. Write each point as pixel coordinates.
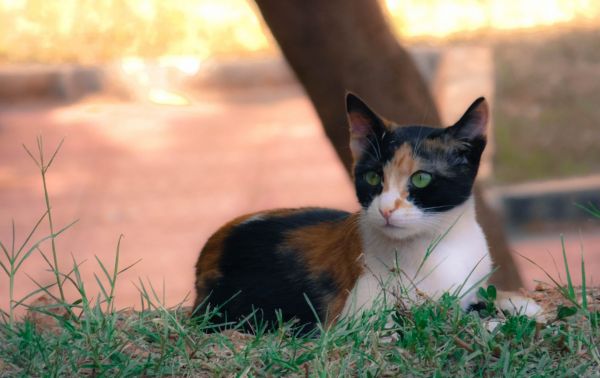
(396, 233)
(393, 232)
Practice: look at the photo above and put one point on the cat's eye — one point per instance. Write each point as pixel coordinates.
(372, 178)
(421, 179)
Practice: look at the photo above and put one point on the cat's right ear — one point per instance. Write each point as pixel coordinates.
(473, 124)
(363, 123)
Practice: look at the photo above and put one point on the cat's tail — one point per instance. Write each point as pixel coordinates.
(517, 304)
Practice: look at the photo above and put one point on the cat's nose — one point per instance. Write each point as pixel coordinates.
(386, 213)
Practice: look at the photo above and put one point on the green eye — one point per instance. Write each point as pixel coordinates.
(421, 179)
(372, 178)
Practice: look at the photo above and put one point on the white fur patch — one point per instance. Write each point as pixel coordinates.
(410, 263)
(519, 305)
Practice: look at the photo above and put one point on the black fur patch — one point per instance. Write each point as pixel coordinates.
(269, 277)
(477, 306)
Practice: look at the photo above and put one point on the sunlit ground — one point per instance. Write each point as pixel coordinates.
(91, 31)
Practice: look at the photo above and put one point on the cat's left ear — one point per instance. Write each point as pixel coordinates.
(473, 124)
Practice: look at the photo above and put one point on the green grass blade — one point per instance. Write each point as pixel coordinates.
(55, 153)
(80, 285)
(102, 289)
(26, 256)
(5, 251)
(4, 268)
(37, 244)
(314, 311)
(591, 209)
(40, 146)
(14, 237)
(56, 234)
(584, 302)
(66, 276)
(33, 230)
(433, 245)
(479, 282)
(104, 270)
(45, 258)
(155, 293)
(555, 265)
(5, 316)
(145, 295)
(129, 266)
(568, 273)
(37, 163)
(117, 254)
(41, 289)
(558, 286)
(185, 299)
(244, 320)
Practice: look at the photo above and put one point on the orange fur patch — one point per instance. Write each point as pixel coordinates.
(398, 171)
(333, 248)
(442, 144)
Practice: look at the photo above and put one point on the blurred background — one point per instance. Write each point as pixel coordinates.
(178, 116)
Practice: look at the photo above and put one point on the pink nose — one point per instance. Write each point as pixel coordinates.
(386, 213)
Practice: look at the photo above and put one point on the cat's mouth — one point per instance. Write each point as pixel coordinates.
(393, 226)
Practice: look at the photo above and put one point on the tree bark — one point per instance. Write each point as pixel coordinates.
(334, 46)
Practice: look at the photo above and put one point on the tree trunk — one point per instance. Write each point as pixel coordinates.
(334, 46)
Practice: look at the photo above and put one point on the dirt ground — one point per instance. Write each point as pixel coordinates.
(167, 177)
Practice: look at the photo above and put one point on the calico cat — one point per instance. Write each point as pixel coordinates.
(416, 231)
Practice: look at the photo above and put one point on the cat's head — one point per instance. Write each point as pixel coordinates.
(407, 178)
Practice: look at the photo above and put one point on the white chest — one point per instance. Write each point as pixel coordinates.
(428, 265)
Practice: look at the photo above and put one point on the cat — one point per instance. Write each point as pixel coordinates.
(416, 232)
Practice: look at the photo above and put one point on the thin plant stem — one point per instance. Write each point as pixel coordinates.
(11, 283)
(11, 294)
(43, 171)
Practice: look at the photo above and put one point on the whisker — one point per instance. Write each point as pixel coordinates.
(418, 145)
(378, 147)
(433, 207)
(375, 148)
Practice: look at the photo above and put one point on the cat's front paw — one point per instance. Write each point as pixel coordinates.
(516, 304)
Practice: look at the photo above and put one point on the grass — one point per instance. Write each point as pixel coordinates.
(90, 337)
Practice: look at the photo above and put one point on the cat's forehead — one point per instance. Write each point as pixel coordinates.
(424, 147)
(411, 134)
(430, 148)
(416, 137)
